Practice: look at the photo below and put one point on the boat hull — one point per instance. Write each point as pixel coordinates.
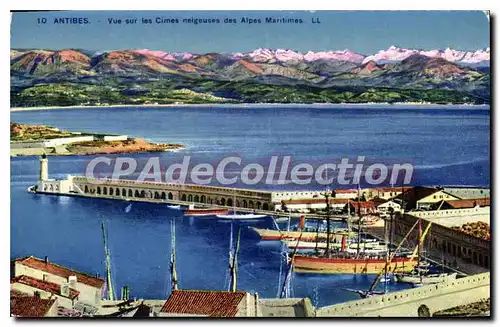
(241, 217)
(439, 278)
(205, 212)
(317, 265)
(277, 235)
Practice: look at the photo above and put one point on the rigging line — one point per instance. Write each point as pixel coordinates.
(389, 260)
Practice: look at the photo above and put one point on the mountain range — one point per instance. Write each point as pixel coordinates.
(466, 73)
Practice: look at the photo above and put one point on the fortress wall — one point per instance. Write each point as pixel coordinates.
(406, 303)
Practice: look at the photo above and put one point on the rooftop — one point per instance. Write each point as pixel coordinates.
(30, 306)
(61, 271)
(43, 285)
(203, 303)
(392, 189)
(346, 191)
(470, 203)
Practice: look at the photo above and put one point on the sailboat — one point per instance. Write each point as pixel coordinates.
(371, 291)
(420, 275)
(344, 262)
(236, 216)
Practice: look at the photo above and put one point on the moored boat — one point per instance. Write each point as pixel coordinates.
(416, 279)
(277, 235)
(204, 211)
(235, 216)
(173, 206)
(365, 246)
(343, 262)
(351, 265)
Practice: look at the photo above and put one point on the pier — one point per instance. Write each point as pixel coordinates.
(244, 200)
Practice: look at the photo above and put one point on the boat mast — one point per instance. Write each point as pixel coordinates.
(359, 225)
(285, 290)
(173, 270)
(284, 257)
(111, 295)
(327, 199)
(389, 260)
(419, 246)
(235, 262)
(230, 270)
(348, 224)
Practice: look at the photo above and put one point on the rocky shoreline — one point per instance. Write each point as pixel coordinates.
(34, 140)
(133, 145)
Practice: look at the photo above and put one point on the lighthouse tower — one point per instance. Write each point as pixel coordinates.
(44, 168)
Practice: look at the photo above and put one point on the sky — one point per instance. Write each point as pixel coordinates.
(364, 32)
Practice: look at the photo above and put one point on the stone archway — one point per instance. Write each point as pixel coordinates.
(183, 197)
(196, 198)
(130, 193)
(222, 201)
(265, 206)
(170, 196)
(163, 196)
(229, 202)
(423, 311)
(203, 199)
(190, 198)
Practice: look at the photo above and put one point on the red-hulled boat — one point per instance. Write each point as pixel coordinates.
(192, 211)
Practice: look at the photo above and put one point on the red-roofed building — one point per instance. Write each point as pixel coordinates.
(365, 207)
(90, 288)
(423, 198)
(209, 304)
(67, 297)
(461, 204)
(32, 307)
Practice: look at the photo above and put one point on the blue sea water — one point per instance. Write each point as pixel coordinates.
(446, 147)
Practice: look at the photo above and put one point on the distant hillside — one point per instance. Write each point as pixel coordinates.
(78, 77)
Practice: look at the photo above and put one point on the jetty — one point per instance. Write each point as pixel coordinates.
(203, 196)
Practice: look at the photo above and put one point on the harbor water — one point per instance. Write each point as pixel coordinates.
(446, 147)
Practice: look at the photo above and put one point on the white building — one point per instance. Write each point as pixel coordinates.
(345, 194)
(66, 296)
(89, 288)
(384, 209)
(293, 195)
(315, 203)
